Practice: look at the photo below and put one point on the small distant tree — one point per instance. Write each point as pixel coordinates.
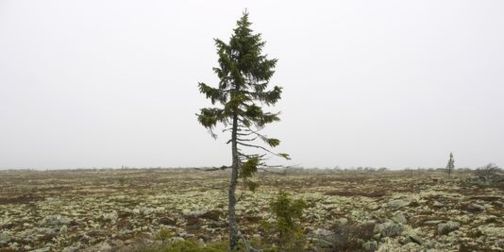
(451, 165)
(244, 73)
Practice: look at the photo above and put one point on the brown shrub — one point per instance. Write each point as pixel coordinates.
(350, 237)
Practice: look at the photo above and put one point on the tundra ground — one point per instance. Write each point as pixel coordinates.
(111, 210)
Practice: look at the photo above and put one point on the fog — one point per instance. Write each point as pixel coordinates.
(366, 83)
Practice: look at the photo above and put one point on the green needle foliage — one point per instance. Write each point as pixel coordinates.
(239, 100)
(288, 213)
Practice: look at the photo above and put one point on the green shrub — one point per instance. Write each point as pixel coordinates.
(288, 213)
(164, 234)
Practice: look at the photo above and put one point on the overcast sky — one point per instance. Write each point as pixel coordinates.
(366, 83)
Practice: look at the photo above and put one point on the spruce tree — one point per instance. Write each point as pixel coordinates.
(244, 73)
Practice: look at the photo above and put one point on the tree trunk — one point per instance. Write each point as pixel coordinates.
(233, 225)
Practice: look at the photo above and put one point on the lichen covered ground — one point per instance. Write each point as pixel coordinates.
(120, 210)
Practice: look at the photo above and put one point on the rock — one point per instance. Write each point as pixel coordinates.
(473, 208)
(323, 232)
(430, 245)
(55, 221)
(397, 204)
(491, 230)
(4, 238)
(103, 247)
(177, 239)
(437, 204)
(416, 239)
(45, 249)
(445, 228)
(377, 236)
(342, 221)
(432, 222)
(373, 206)
(188, 212)
(389, 229)
(185, 235)
(399, 218)
(370, 246)
(112, 216)
(500, 243)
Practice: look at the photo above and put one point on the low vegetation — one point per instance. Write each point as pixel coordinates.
(185, 210)
(286, 231)
(490, 175)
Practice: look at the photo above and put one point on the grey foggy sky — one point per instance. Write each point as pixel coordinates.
(366, 83)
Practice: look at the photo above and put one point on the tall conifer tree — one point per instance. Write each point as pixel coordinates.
(244, 73)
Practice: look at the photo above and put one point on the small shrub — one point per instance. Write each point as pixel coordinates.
(490, 175)
(164, 234)
(488, 172)
(122, 181)
(352, 236)
(288, 213)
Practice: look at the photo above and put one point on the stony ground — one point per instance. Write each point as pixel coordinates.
(110, 210)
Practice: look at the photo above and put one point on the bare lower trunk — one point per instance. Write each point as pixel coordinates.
(233, 225)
